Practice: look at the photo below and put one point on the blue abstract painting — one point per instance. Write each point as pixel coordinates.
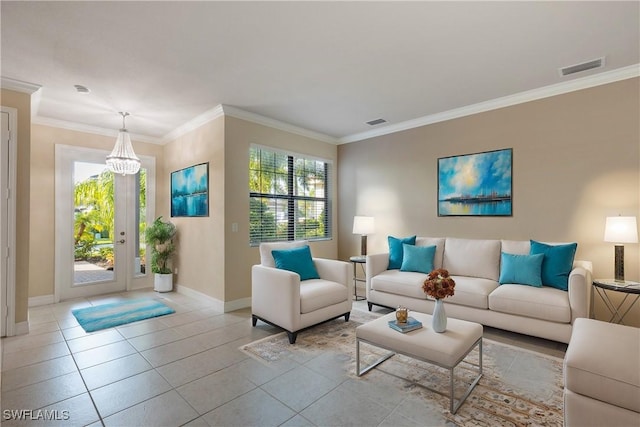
(475, 184)
(190, 191)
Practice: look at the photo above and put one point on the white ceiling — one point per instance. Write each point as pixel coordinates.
(327, 67)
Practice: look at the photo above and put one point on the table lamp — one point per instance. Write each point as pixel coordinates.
(363, 225)
(620, 229)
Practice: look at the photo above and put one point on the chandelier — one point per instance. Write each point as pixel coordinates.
(122, 159)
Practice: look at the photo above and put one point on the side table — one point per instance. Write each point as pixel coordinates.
(355, 260)
(631, 291)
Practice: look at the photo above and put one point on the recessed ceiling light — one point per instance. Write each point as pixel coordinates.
(376, 122)
(81, 89)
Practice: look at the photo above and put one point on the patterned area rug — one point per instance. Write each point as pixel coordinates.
(518, 387)
(119, 313)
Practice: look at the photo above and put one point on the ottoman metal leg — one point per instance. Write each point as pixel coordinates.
(453, 406)
(373, 365)
(427, 346)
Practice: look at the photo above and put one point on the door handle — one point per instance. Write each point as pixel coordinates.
(121, 241)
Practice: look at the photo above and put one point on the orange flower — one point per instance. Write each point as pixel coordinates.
(439, 285)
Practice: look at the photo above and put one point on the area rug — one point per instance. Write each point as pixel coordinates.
(518, 387)
(119, 313)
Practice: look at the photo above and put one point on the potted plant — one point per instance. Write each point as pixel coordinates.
(159, 236)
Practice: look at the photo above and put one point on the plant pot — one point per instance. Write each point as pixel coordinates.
(163, 282)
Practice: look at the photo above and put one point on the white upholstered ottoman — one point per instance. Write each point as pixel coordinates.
(602, 375)
(445, 349)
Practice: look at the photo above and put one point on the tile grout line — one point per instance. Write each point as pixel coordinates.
(83, 380)
(196, 414)
(154, 368)
(77, 368)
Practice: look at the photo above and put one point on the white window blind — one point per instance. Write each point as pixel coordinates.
(288, 197)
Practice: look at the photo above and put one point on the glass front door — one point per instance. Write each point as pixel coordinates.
(100, 237)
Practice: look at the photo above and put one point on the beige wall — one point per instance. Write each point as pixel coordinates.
(21, 102)
(200, 241)
(42, 193)
(239, 134)
(211, 258)
(575, 161)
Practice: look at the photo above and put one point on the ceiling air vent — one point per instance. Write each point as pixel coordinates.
(81, 89)
(589, 65)
(376, 122)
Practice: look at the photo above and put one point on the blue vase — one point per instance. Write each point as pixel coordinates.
(439, 318)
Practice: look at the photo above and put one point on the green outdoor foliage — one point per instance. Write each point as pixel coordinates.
(94, 213)
(106, 254)
(285, 187)
(94, 201)
(84, 247)
(159, 236)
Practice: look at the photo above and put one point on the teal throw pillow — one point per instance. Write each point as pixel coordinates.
(521, 269)
(557, 263)
(396, 252)
(418, 258)
(297, 260)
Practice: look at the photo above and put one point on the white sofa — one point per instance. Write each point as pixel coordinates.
(474, 264)
(601, 375)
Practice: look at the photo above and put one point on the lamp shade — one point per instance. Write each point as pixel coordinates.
(363, 225)
(621, 229)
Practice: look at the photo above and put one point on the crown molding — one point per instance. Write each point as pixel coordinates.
(228, 110)
(19, 85)
(78, 127)
(194, 124)
(221, 110)
(277, 124)
(505, 101)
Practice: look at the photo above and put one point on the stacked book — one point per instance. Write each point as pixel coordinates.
(411, 325)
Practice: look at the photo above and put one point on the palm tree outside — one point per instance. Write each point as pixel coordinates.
(94, 210)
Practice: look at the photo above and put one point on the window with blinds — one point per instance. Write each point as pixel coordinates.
(288, 197)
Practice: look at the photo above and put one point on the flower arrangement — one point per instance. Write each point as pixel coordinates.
(439, 285)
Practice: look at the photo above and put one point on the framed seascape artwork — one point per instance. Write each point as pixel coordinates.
(190, 191)
(477, 184)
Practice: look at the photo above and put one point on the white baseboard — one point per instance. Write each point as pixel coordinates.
(138, 287)
(217, 304)
(41, 300)
(21, 328)
(237, 304)
(223, 306)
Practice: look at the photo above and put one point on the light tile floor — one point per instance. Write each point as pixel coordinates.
(184, 369)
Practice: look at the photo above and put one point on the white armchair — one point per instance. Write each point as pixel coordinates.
(280, 298)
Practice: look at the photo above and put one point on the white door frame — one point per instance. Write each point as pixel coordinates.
(64, 225)
(8, 181)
